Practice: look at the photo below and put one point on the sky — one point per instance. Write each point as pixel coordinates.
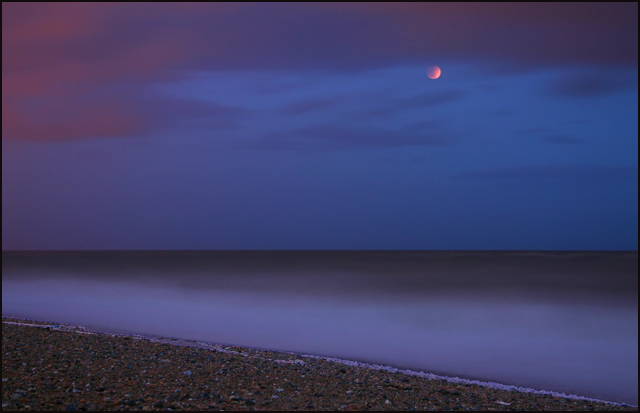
(315, 126)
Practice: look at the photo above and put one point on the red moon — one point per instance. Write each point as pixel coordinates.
(434, 72)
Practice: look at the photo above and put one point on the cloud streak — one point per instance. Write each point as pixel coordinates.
(567, 174)
(416, 102)
(61, 52)
(590, 85)
(326, 137)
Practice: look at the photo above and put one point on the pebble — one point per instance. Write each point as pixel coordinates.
(93, 375)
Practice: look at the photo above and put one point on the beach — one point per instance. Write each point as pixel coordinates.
(48, 366)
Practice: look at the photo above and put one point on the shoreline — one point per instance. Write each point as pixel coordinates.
(298, 361)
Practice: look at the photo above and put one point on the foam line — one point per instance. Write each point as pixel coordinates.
(231, 349)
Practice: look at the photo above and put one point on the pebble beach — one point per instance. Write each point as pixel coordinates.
(49, 366)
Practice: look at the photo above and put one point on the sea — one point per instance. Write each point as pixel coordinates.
(565, 322)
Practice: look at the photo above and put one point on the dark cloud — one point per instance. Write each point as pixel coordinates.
(394, 105)
(76, 116)
(545, 135)
(590, 85)
(203, 114)
(54, 118)
(430, 99)
(559, 139)
(567, 174)
(67, 51)
(502, 113)
(534, 131)
(336, 138)
(301, 108)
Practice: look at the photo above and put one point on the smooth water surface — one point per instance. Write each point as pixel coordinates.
(566, 322)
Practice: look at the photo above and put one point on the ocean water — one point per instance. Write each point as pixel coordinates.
(559, 321)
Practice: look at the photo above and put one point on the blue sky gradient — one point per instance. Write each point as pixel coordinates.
(188, 129)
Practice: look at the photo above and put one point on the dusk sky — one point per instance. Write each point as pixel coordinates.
(316, 126)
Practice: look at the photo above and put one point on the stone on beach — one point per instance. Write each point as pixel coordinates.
(54, 368)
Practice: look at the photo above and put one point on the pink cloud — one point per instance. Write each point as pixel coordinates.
(66, 51)
(69, 120)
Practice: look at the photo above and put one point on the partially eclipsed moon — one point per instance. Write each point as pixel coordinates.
(434, 72)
